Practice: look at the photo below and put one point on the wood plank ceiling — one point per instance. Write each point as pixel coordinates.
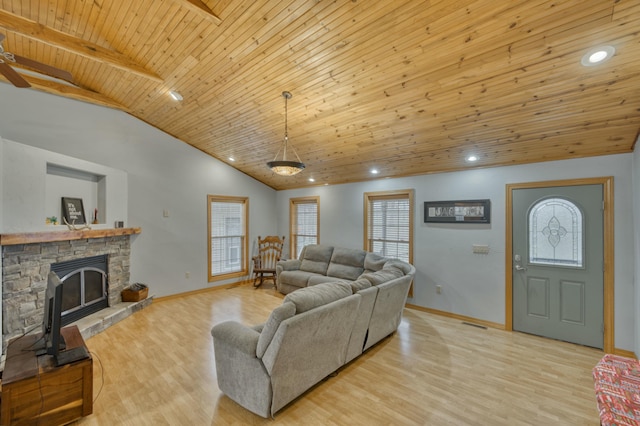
(404, 86)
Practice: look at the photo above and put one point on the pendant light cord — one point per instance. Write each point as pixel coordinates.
(285, 143)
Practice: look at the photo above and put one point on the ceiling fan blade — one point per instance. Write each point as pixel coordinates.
(44, 68)
(13, 76)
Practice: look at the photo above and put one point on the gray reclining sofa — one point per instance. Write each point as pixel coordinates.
(314, 332)
(321, 263)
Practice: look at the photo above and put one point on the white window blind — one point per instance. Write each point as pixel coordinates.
(389, 227)
(227, 230)
(304, 227)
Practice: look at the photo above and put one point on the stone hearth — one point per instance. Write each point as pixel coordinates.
(101, 320)
(26, 260)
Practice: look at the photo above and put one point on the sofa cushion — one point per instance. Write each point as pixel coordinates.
(298, 278)
(316, 259)
(315, 279)
(374, 262)
(346, 263)
(279, 314)
(359, 284)
(383, 275)
(395, 264)
(308, 298)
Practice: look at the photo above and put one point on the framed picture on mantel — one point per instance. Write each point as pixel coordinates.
(73, 211)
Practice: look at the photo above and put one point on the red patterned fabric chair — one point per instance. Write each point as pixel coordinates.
(617, 385)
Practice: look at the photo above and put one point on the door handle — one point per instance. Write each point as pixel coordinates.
(516, 260)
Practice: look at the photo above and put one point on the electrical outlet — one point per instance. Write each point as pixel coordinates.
(439, 289)
(165, 213)
(187, 274)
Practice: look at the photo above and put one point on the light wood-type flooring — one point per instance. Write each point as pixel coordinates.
(157, 368)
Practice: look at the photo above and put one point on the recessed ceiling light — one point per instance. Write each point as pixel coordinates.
(312, 180)
(232, 159)
(374, 171)
(175, 95)
(597, 55)
(472, 158)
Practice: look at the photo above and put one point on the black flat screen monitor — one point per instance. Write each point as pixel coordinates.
(52, 341)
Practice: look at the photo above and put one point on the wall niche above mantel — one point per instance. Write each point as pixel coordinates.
(64, 181)
(34, 181)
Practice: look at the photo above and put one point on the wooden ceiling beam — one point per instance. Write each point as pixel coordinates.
(72, 92)
(72, 44)
(200, 8)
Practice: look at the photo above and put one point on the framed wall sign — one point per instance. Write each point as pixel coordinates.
(463, 211)
(73, 211)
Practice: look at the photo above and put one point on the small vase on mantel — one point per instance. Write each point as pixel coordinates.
(95, 216)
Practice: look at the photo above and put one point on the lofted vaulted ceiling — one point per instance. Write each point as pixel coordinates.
(404, 86)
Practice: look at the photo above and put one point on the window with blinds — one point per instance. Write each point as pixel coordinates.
(389, 224)
(227, 220)
(304, 223)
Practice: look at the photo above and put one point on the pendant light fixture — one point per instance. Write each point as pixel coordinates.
(285, 167)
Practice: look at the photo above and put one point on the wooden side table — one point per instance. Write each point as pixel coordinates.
(35, 391)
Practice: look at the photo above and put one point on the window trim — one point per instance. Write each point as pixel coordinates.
(245, 245)
(292, 220)
(390, 195)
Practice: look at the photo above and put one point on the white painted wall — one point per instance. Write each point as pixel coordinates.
(1, 186)
(636, 220)
(163, 173)
(474, 284)
(1, 217)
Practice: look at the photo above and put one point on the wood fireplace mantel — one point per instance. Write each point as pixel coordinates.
(47, 237)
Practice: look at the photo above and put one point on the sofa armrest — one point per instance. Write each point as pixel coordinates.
(288, 265)
(387, 311)
(237, 336)
(240, 374)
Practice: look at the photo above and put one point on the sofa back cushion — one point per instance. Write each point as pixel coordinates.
(346, 263)
(359, 284)
(374, 262)
(315, 279)
(383, 275)
(316, 258)
(398, 265)
(308, 298)
(279, 314)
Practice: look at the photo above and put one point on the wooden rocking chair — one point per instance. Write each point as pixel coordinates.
(264, 264)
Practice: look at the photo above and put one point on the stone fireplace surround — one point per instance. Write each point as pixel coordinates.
(26, 261)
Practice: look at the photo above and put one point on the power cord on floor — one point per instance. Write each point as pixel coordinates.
(93, 354)
(41, 398)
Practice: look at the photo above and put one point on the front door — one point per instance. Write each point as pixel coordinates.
(558, 263)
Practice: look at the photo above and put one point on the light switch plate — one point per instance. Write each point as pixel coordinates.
(481, 248)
